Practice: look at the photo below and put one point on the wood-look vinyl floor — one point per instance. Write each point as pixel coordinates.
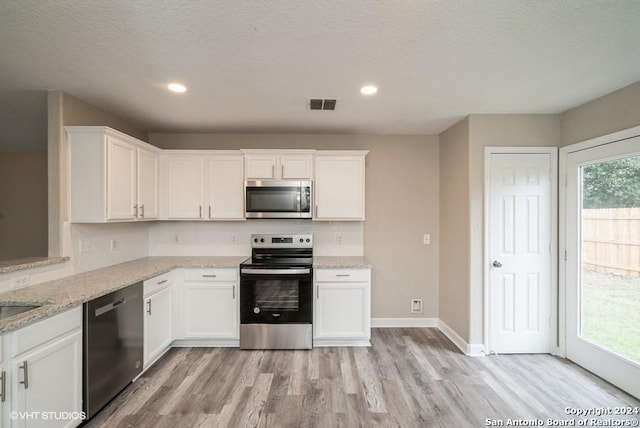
(408, 378)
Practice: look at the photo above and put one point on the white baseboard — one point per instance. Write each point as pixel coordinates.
(320, 343)
(403, 322)
(470, 349)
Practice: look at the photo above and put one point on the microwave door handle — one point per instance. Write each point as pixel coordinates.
(299, 199)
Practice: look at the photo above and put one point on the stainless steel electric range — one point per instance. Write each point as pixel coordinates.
(276, 293)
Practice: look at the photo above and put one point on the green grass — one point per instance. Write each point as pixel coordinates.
(611, 312)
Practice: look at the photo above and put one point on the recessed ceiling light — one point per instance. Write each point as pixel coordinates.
(177, 87)
(368, 90)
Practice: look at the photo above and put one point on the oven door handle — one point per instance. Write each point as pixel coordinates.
(275, 271)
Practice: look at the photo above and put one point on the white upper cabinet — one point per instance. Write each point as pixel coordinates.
(184, 192)
(202, 185)
(225, 189)
(112, 176)
(339, 185)
(121, 180)
(278, 164)
(148, 184)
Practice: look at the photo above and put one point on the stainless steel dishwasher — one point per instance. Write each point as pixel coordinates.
(113, 341)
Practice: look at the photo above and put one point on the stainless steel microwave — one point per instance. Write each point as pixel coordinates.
(278, 199)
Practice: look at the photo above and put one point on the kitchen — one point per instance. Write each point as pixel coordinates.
(410, 179)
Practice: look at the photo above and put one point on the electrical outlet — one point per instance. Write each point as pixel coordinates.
(416, 306)
(233, 238)
(21, 281)
(114, 244)
(339, 238)
(176, 238)
(426, 239)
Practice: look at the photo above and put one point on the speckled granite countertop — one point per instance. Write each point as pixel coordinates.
(66, 293)
(29, 263)
(342, 262)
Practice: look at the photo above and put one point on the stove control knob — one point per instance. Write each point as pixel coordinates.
(262, 240)
(301, 240)
(255, 240)
(256, 310)
(308, 240)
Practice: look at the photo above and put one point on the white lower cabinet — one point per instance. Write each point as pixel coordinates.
(43, 369)
(342, 307)
(158, 317)
(209, 307)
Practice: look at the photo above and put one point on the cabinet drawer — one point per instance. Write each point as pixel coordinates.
(343, 275)
(48, 329)
(210, 275)
(157, 283)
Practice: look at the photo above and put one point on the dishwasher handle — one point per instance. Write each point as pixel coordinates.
(113, 305)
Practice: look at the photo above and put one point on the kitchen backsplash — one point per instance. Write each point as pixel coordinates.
(90, 246)
(95, 246)
(233, 238)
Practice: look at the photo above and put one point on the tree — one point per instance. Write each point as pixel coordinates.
(612, 184)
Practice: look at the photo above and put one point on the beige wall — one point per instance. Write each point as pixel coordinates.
(23, 204)
(454, 228)
(401, 205)
(525, 130)
(67, 110)
(480, 131)
(611, 113)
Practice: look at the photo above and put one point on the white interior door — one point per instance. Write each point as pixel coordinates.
(519, 248)
(602, 268)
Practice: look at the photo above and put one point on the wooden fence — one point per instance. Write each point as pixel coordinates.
(611, 240)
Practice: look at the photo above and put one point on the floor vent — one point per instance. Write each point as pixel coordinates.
(322, 103)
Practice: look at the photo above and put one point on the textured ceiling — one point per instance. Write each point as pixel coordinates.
(251, 65)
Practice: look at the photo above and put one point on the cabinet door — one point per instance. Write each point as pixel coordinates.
(54, 374)
(339, 188)
(260, 167)
(147, 184)
(121, 180)
(158, 322)
(225, 188)
(342, 311)
(296, 166)
(210, 311)
(185, 188)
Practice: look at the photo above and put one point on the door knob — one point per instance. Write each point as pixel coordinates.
(496, 264)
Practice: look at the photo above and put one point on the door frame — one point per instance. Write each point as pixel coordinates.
(562, 267)
(553, 153)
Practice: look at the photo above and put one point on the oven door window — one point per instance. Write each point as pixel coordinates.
(278, 295)
(273, 199)
(270, 299)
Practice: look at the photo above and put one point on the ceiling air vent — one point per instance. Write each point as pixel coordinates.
(322, 103)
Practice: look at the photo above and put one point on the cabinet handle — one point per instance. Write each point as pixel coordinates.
(234, 292)
(209, 211)
(343, 274)
(273, 171)
(3, 386)
(200, 211)
(142, 211)
(317, 292)
(209, 276)
(135, 210)
(316, 211)
(149, 306)
(25, 367)
(282, 171)
(163, 281)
